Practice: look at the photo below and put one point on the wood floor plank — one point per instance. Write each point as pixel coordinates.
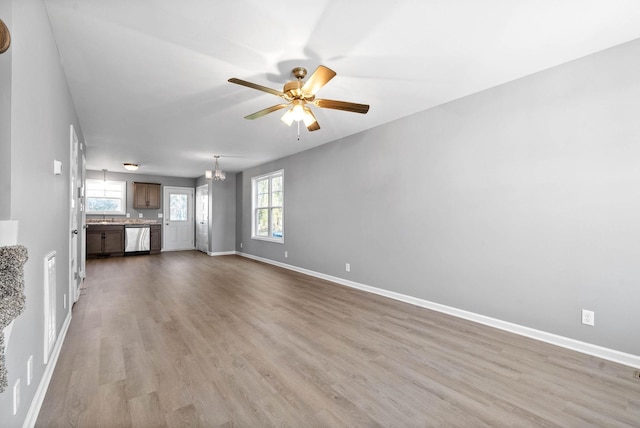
(146, 411)
(183, 339)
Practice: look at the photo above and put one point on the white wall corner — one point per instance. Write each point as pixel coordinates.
(8, 232)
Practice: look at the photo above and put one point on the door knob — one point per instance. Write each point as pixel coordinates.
(74, 231)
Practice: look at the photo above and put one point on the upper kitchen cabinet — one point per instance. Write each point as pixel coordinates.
(146, 195)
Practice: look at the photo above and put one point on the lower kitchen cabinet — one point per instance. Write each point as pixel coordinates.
(155, 238)
(105, 240)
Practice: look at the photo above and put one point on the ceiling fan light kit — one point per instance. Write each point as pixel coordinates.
(299, 95)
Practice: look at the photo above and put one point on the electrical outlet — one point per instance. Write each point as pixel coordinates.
(347, 267)
(16, 396)
(241, 245)
(128, 215)
(159, 215)
(588, 317)
(30, 370)
(139, 215)
(286, 254)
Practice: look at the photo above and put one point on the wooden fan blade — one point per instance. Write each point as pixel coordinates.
(266, 111)
(314, 125)
(256, 86)
(342, 105)
(318, 79)
(5, 37)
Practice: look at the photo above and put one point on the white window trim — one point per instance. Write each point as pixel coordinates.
(253, 206)
(123, 185)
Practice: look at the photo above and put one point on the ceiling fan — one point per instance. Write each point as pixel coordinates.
(299, 95)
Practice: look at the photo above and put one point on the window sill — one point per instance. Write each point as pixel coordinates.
(266, 238)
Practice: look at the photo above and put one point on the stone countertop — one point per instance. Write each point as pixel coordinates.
(126, 222)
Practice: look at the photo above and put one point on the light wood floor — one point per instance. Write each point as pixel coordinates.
(184, 339)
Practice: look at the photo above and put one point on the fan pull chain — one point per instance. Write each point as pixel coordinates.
(299, 90)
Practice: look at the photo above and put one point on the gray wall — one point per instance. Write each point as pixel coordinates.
(41, 112)
(520, 203)
(5, 119)
(130, 178)
(222, 213)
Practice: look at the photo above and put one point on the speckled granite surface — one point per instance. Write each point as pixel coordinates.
(12, 299)
(124, 221)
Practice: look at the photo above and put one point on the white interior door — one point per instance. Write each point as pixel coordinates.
(202, 218)
(83, 218)
(178, 231)
(74, 214)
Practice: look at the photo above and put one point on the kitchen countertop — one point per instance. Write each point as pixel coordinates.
(122, 222)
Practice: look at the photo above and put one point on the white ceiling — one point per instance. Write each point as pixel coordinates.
(149, 77)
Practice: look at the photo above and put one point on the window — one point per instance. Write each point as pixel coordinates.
(106, 197)
(268, 207)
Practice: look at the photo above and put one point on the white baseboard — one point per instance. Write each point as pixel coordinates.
(221, 253)
(38, 398)
(554, 339)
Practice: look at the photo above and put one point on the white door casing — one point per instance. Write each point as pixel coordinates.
(178, 226)
(202, 218)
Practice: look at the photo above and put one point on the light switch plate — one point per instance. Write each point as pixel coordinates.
(57, 167)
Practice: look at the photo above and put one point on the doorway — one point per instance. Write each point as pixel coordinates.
(202, 218)
(178, 228)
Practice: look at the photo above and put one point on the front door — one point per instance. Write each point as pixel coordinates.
(202, 218)
(178, 231)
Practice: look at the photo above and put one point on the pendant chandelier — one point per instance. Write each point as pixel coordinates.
(216, 174)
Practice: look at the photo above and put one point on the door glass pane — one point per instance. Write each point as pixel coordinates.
(262, 222)
(178, 210)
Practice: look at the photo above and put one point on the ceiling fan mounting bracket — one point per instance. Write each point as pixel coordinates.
(299, 72)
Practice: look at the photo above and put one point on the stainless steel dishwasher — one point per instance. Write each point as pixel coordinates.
(136, 238)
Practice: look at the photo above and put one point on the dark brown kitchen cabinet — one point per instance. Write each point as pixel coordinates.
(155, 238)
(146, 196)
(105, 240)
